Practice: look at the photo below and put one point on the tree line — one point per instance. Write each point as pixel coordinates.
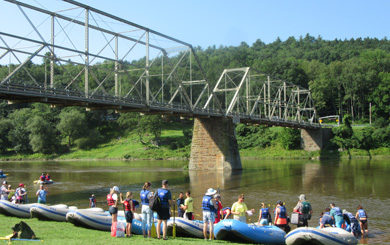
(344, 76)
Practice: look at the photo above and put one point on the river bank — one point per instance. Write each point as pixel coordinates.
(175, 146)
(66, 233)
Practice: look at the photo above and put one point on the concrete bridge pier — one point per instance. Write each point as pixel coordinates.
(214, 145)
(315, 139)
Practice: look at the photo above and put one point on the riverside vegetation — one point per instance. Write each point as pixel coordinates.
(345, 76)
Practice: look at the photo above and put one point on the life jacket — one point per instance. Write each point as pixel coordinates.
(362, 214)
(144, 197)
(163, 194)
(264, 213)
(19, 197)
(127, 205)
(206, 205)
(216, 210)
(110, 200)
(42, 178)
(282, 217)
(306, 207)
(92, 201)
(337, 211)
(48, 177)
(329, 218)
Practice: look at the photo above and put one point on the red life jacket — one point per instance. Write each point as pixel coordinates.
(43, 177)
(110, 200)
(127, 205)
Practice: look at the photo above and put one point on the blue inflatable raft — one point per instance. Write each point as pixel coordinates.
(3, 176)
(236, 231)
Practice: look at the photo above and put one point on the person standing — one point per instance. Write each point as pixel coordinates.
(129, 209)
(281, 217)
(264, 215)
(21, 194)
(209, 206)
(304, 209)
(42, 194)
(218, 212)
(112, 202)
(92, 201)
(180, 203)
(147, 214)
(361, 215)
(188, 206)
(240, 210)
(4, 192)
(337, 215)
(164, 213)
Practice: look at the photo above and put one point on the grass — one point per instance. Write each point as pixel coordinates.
(52, 232)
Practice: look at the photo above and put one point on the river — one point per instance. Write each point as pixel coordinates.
(346, 183)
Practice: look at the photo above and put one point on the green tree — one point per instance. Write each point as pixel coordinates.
(343, 135)
(365, 140)
(290, 138)
(5, 127)
(149, 124)
(72, 124)
(43, 136)
(19, 134)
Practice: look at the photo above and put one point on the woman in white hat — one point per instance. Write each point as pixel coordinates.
(209, 206)
(112, 201)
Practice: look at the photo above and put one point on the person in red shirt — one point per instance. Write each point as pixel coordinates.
(129, 209)
(219, 213)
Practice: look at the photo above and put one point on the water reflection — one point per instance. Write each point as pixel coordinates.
(347, 183)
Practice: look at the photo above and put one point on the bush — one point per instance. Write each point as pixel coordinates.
(290, 138)
(253, 136)
(91, 141)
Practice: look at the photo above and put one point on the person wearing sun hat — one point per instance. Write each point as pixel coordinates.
(4, 191)
(209, 206)
(112, 201)
(20, 194)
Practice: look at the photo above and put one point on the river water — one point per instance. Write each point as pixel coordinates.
(347, 183)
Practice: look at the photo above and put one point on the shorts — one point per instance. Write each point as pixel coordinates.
(129, 216)
(240, 218)
(363, 221)
(113, 210)
(189, 215)
(264, 222)
(208, 216)
(163, 214)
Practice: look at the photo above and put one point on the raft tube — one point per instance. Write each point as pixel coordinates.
(325, 236)
(237, 231)
(17, 210)
(186, 228)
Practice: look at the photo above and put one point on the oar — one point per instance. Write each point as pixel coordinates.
(174, 223)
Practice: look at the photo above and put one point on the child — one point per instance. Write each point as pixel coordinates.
(92, 201)
(129, 209)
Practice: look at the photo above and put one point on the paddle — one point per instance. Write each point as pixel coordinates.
(174, 224)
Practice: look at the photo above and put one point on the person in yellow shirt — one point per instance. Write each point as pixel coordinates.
(239, 209)
(188, 206)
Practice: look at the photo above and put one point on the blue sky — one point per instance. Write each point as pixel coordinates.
(217, 22)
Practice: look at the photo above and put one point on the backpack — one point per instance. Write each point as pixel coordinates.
(155, 202)
(306, 207)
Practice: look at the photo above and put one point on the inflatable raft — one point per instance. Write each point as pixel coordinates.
(3, 176)
(55, 212)
(236, 231)
(17, 210)
(186, 228)
(325, 236)
(99, 220)
(44, 182)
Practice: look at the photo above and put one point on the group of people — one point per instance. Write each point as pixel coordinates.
(44, 177)
(19, 195)
(333, 216)
(213, 211)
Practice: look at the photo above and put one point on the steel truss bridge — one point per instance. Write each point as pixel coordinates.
(87, 57)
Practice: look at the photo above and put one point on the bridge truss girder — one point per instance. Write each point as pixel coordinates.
(134, 68)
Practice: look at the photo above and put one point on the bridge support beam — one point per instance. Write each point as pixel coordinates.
(315, 139)
(214, 145)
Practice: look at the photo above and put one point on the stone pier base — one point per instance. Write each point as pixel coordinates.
(315, 139)
(214, 145)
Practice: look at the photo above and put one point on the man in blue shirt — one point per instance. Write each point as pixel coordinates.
(180, 203)
(41, 194)
(337, 215)
(164, 213)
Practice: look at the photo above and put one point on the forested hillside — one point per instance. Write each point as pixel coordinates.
(344, 76)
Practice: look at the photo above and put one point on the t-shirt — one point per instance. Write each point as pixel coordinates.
(165, 196)
(218, 216)
(326, 219)
(190, 204)
(4, 193)
(42, 195)
(114, 196)
(239, 207)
